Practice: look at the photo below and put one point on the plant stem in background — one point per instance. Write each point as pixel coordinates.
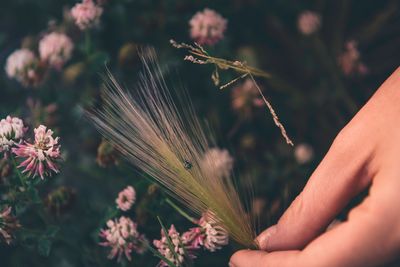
(205, 58)
(180, 211)
(202, 57)
(21, 179)
(330, 65)
(273, 113)
(87, 43)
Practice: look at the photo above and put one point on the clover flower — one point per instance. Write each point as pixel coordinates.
(245, 96)
(208, 234)
(107, 154)
(349, 61)
(86, 14)
(122, 237)
(218, 162)
(41, 156)
(8, 224)
(55, 49)
(126, 198)
(207, 27)
(308, 22)
(20, 65)
(303, 153)
(11, 131)
(177, 256)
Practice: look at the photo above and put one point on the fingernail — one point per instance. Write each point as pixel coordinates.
(231, 264)
(264, 238)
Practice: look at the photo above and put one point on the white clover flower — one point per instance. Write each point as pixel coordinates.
(122, 236)
(86, 14)
(215, 236)
(20, 65)
(126, 198)
(303, 153)
(217, 162)
(207, 27)
(40, 158)
(11, 131)
(177, 256)
(55, 49)
(309, 22)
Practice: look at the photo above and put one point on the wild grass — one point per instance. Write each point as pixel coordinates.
(165, 140)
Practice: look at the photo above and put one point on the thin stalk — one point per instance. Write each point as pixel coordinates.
(273, 113)
(223, 63)
(159, 255)
(326, 59)
(87, 43)
(20, 177)
(169, 241)
(180, 211)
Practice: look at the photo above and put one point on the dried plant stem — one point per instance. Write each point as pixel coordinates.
(235, 65)
(233, 81)
(205, 58)
(200, 56)
(273, 113)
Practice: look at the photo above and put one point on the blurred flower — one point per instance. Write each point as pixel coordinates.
(21, 65)
(126, 198)
(106, 154)
(246, 96)
(8, 224)
(194, 238)
(303, 153)
(217, 162)
(248, 141)
(41, 156)
(177, 256)
(128, 55)
(73, 72)
(349, 60)
(11, 131)
(153, 190)
(86, 14)
(209, 234)
(55, 49)
(122, 237)
(258, 206)
(39, 114)
(308, 22)
(5, 168)
(207, 27)
(60, 199)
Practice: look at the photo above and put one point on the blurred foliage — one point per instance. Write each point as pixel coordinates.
(311, 95)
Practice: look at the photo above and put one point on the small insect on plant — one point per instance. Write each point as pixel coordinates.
(187, 164)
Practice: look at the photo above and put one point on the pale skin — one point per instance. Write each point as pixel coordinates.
(365, 153)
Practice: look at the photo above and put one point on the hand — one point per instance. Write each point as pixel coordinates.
(366, 152)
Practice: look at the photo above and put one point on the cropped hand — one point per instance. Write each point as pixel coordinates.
(366, 152)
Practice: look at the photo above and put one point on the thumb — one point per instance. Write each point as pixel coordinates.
(338, 178)
(257, 258)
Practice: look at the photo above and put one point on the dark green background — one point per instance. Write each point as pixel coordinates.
(310, 94)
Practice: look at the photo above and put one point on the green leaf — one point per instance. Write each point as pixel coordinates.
(159, 255)
(52, 231)
(44, 246)
(169, 241)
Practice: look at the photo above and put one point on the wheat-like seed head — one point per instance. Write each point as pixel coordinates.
(167, 142)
